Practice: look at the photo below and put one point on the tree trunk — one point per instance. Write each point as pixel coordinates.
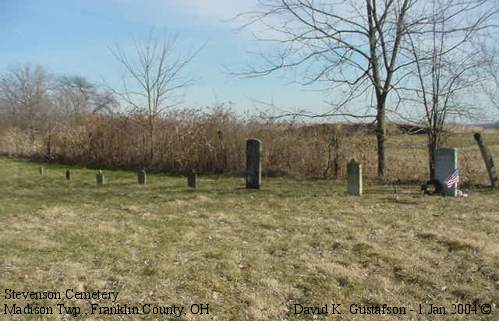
(48, 155)
(151, 140)
(222, 160)
(434, 133)
(380, 136)
(432, 152)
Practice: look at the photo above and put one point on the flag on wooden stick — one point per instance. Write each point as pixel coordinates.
(452, 178)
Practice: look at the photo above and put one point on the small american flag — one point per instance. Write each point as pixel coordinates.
(452, 179)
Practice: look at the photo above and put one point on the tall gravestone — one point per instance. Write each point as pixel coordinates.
(445, 165)
(142, 177)
(192, 179)
(100, 179)
(354, 177)
(68, 174)
(487, 158)
(41, 170)
(253, 163)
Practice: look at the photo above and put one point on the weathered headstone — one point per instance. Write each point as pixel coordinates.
(253, 163)
(487, 158)
(445, 166)
(100, 179)
(68, 174)
(41, 170)
(354, 173)
(192, 179)
(142, 177)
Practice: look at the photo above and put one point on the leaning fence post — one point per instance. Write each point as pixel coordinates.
(487, 158)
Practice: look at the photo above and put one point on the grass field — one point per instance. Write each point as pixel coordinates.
(249, 255)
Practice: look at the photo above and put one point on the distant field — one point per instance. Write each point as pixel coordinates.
(293, 151)
(249, 255)
(408, 157)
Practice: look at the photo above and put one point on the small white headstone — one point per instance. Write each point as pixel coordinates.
(142, 177)
(99, 177)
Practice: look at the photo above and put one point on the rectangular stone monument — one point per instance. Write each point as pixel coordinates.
(354, 173)
(487, 158)
(68, 174)
(100, 179)
(41, 170)
(253, 164)
(445, 166)
(192, 179)
(142, 177)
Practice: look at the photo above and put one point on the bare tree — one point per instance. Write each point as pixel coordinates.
(491, 68)
(447, 70)
(155, 78)
(351, 46)
(76, 96)
(25, 98)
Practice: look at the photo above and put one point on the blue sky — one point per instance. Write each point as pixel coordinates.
(72, 37)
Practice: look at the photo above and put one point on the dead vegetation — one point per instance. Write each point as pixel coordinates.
(250, 255)
(213, 142)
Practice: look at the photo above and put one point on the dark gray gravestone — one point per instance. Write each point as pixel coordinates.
(68, 174)
(354, 174)
(253, 163)
(487, 158)
(192, 179)
(142, 177)
(445, 165)
(100, 179)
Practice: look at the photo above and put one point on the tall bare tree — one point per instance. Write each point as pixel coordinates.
(25, 98)
(447, 71)
(352, 46)
(39, 103)
(155, 78)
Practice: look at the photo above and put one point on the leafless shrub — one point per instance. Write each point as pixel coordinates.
(213, 142)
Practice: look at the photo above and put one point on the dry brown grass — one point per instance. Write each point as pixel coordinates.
(191, 139)
(250, 255)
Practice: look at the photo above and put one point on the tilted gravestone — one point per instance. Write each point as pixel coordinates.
(142, 177)
(68, 174)
(445, 167)
(487, 158)
(100, 179)
(253, 164)
(192, 179)
(354, 176)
